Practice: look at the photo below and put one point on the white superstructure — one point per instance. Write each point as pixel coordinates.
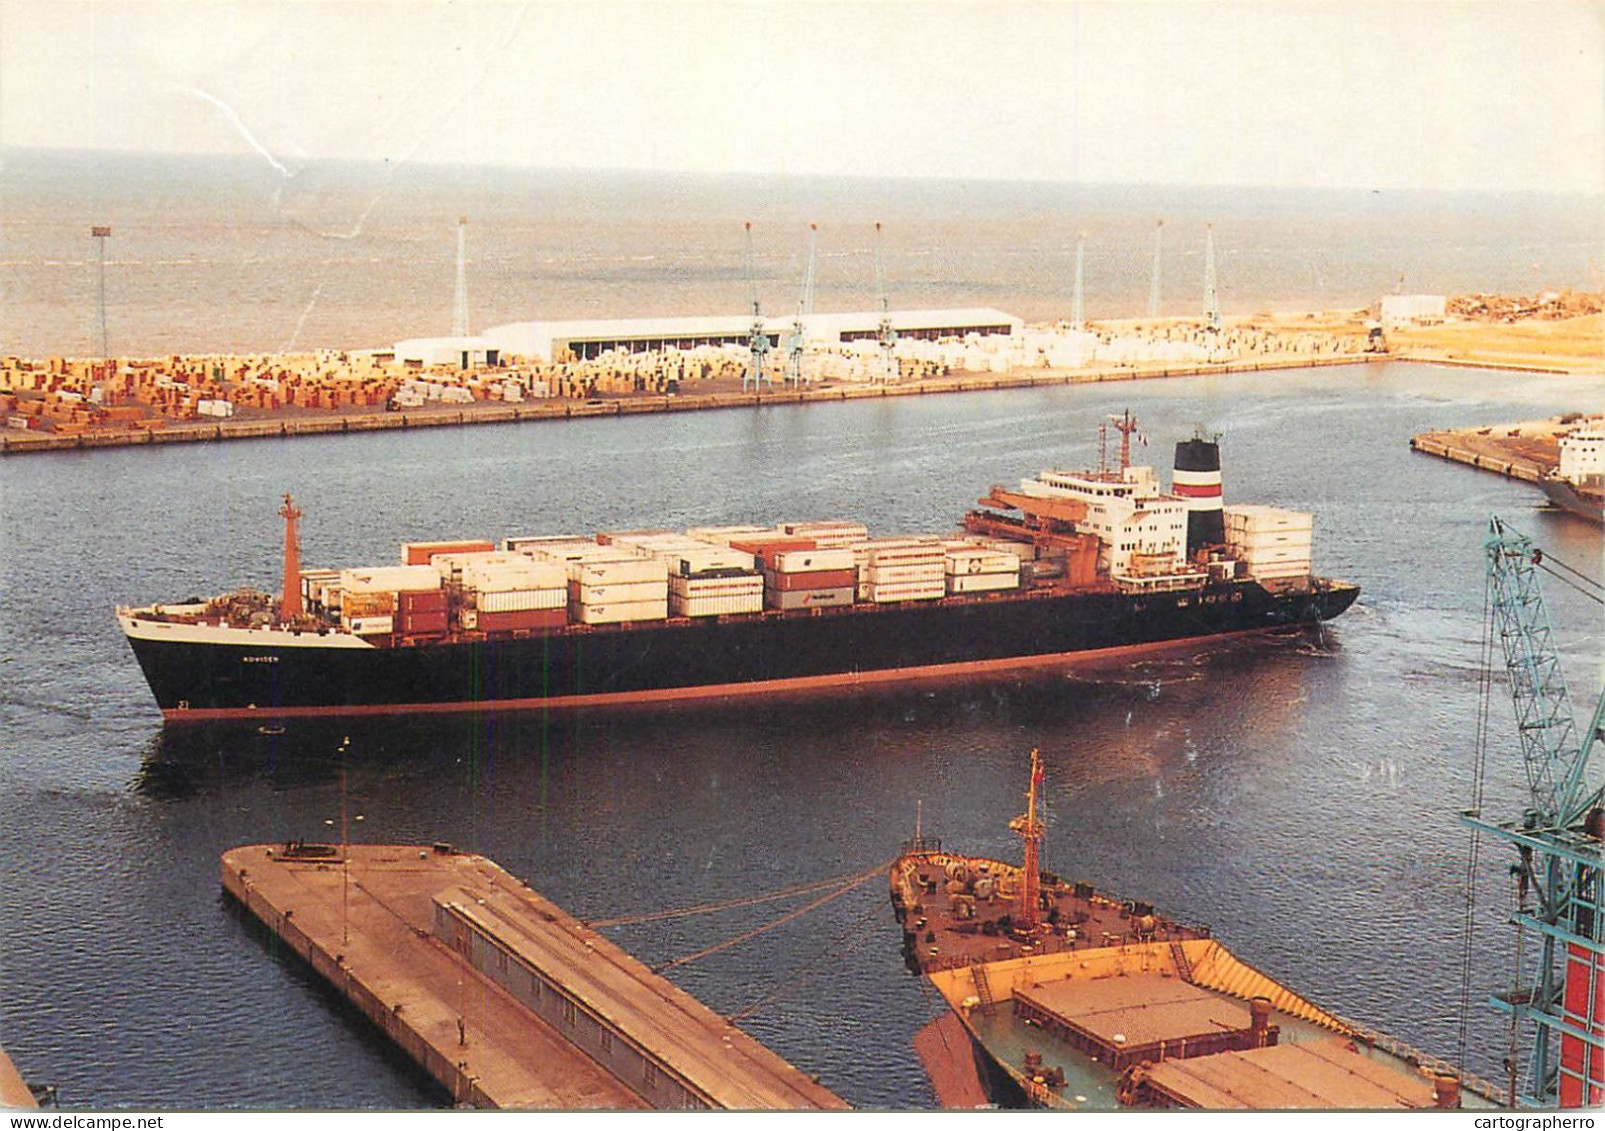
(1142, 532)
(1582, 456)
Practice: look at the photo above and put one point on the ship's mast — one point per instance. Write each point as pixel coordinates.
(290, 605)
(1126, 425)
(1030, 831)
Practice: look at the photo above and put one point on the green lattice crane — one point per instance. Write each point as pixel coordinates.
(1557, 841)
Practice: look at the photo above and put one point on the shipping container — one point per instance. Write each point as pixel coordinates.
(389, 579)
(520, 600)
(527, 573)
(617, 572)
(428, 601)
(715, 604)
(526, 543)
(368, 605)
(422, 623)
(419, 553)
(828, 535)
(616, 592)
(799, 561)
(522, 620)
(724, 535)
(905, 591)
(630, 537)
(371, 626)
(982, 582)
(709, 586)
(900, 573)
(765, 549)
(812, 579)
(979, 560)
(620, 613)
(809, 598)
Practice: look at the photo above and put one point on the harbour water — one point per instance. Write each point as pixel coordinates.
(1298, 795)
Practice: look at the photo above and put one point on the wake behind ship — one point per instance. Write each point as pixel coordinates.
(1067, 568)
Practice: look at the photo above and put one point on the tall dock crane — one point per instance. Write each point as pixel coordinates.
(805, 307)
(1558, 843)
(885, 334)
(758, 336)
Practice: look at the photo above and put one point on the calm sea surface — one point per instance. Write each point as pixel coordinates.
(1299, 797)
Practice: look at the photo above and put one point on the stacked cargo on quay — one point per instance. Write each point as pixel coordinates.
(1068, 567)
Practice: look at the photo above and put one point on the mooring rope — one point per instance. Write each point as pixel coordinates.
(744, 901)
(854, 882)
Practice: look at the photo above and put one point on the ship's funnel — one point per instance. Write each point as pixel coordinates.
(1197, 479)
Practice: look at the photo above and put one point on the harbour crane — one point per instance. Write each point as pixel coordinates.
(1211, 298)
(1558, 844)
(758, 337)
(884, 334)
(805, 307)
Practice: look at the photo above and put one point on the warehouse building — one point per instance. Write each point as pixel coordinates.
(588, 339)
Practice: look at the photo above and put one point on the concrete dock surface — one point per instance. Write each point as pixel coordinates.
(501, 996)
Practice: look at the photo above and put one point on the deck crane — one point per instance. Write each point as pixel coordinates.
(1558, 842)
(884, 334)
(758, 336)
(805, 307)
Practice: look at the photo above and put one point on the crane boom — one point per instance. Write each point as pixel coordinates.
(1558, 842)
(758, 337)
(805, 307)
(885, 334)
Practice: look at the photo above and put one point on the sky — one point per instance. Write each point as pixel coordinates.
(1388, 94)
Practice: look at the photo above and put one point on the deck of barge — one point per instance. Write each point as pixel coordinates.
(502, 997)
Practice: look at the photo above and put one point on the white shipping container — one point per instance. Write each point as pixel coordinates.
(1025, 551)
(982, 582)
(526, 543)
(828, 535)
(714, 605)
(905, 591)
(371, 626)
(1256, 518)
(895, 574)
(809, 598)
(623, 591)
(1275, 571)
(714, 586)
(724, 535)
(517, 600)
(700, 559)
(390, 579)
(810, 561)
(619, 613)
(1254, 543)
(618, 571)
(980, 560)
(495, 577)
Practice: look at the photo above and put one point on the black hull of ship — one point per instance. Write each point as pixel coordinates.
(678, 660)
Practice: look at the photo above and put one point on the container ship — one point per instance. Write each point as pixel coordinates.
(1068, 567)
(1577, 485)
(1066, 998)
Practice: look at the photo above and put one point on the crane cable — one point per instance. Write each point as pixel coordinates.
(744, 936)
(1474, 848)
(1593, 593)
(745, 901)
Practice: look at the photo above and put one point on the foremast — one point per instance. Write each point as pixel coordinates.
(290, 604)
(1031, 830)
